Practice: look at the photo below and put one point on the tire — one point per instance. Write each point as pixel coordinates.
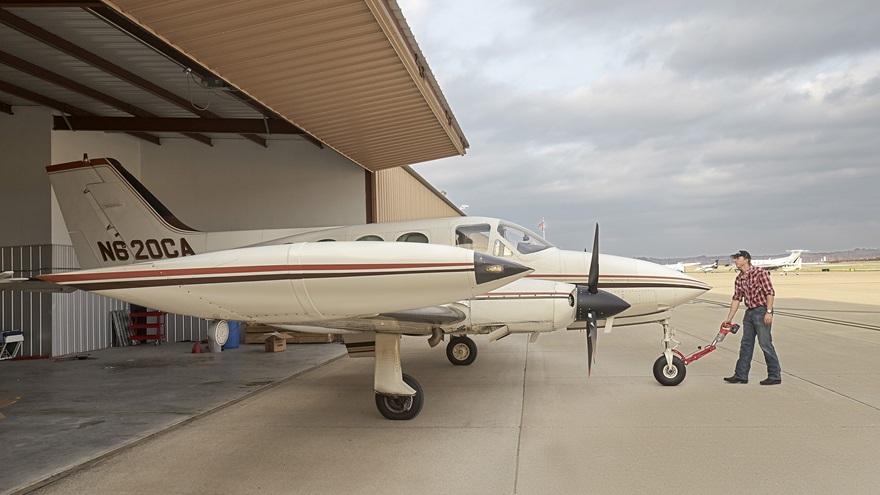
(667, 376)
(402, 407)
(461, 351)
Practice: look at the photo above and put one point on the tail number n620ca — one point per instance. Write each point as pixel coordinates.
(149, 249)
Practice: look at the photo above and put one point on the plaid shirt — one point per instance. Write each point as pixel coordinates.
(753, 287)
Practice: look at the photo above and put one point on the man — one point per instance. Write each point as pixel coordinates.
(753, 287)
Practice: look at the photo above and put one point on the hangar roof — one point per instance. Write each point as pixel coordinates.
(343, 73)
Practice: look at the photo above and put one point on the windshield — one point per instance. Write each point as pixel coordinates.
(523, 240)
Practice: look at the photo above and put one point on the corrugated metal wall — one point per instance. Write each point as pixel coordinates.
(29, 312)
(402, 195)
(59, 324)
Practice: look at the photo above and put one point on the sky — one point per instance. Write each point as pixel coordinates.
(683, 127)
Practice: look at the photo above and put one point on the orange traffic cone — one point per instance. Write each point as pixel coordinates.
(197, 348)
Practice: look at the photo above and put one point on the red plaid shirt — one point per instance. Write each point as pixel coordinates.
(753, 287)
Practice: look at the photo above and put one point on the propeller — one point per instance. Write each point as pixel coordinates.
(593, 303)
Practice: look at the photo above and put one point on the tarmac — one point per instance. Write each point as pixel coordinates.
(523, 419)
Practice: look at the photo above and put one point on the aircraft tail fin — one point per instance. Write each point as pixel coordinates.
(113, 219)
(795, 256)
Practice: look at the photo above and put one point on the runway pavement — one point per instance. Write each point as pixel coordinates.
(525, 419)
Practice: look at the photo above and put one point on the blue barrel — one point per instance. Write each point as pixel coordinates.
(232, 341)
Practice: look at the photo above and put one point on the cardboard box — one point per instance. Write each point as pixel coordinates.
(276, 342)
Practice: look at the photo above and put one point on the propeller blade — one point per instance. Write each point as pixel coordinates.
(592, 334)
(593, 280)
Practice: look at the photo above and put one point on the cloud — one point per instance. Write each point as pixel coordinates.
(684, 128)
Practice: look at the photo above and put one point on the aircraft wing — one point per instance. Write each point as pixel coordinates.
(8, 282)
(412, 321)
(523, 306)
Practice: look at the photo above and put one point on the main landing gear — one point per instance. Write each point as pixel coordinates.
(402, 407)
(461, 350)
(398, 396)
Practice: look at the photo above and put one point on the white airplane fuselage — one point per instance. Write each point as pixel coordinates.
(144, 230)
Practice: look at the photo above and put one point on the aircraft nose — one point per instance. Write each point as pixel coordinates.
(604, 304)
(489, 268)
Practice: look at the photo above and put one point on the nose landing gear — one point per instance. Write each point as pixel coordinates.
(670, 368)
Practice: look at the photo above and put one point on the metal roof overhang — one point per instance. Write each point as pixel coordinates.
(345, 73)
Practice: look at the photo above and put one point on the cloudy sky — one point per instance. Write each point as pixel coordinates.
(683, 127)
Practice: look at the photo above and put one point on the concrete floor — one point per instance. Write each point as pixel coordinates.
(65, 413)
(524, 419)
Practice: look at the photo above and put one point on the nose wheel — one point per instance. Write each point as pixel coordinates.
(667, 374)
(461, 350)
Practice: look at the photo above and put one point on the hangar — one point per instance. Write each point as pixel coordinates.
(239, 115)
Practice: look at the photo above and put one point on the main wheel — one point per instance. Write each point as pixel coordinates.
(461, 351)
(669, 375)
(402, 407)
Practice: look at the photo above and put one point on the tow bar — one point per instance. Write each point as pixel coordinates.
(671, 374)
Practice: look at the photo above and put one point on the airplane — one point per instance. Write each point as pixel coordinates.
(114, 220)
(681, 266)
(786, 263)
(711, 267)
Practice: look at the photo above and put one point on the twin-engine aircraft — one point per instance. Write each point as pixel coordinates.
(786, 263)
(137, 251)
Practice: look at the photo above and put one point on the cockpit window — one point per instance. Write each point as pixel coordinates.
(413, 237)
(475, 237)
(523, 240)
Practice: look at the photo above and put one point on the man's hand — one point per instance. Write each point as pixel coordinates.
(768, 319)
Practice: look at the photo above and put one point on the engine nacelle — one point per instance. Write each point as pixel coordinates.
(523, 306)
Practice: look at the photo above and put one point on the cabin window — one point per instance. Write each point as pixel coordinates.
(327, 240)
(413, 237)
(370, 238)
(475, 237)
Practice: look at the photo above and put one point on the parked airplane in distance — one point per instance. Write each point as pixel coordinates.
(680, 267)
(711, 267)
(785, 263)
(114, 220)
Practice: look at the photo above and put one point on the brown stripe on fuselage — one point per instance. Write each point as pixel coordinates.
(168, 282)
(177, 272)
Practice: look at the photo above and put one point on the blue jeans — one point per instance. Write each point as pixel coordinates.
(753, 325)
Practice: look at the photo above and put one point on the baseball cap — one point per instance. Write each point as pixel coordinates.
(745, 254)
